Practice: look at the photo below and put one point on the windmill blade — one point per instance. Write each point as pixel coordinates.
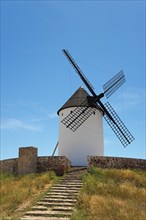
(77, 117)
(80, 114)
(118, 126)
(113, 84)
(80, 73)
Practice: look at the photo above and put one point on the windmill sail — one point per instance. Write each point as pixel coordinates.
(80, 73)
(113, 84)
(118, 126)
(81, 113)
(76, 118)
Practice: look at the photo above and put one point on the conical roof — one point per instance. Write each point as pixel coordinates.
(79, 98)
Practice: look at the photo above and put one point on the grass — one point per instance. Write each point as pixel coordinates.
(111, 194)
(17, 193)
(107, 194)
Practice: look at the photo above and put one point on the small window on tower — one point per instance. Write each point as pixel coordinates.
(93, 113)
(71, 111)
(62, 114)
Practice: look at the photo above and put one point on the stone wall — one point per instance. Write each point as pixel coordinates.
(29, 162)
(116, 162)
(59, 164)
(9, 166)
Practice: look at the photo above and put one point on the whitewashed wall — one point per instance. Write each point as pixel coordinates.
(87, 140)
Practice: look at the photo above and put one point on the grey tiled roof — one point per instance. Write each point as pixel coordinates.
(79, 98)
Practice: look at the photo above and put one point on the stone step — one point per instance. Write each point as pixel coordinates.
(58, 200)
(75, 174)
(73, 183)
(43, 218)
(69, 186)
(54, 191)
(55, 208)
(61, 208)
(77, 178)
(39, 207)
(61, 193)
(66, 187)
(72, 180)
(49, 213)
(49, 204)
(69, 175)
(61, 196)
(57, 196)
(64, 190)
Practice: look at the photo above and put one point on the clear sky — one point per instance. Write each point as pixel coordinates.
(36, 78)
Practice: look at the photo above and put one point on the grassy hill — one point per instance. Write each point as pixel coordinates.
(107, 194)
(18, 193)
(111, 194)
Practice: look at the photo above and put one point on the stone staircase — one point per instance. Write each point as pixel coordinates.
(60, 201)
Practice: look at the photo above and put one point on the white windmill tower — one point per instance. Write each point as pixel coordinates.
(88, 138)
(80, 120)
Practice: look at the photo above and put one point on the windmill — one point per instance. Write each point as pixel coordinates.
(87, 107)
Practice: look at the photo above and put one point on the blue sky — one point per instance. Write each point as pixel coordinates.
(36, 79)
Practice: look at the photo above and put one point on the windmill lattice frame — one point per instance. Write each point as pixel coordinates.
(80, 114)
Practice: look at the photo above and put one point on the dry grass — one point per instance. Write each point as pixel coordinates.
(19, 192)
(110, 194)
